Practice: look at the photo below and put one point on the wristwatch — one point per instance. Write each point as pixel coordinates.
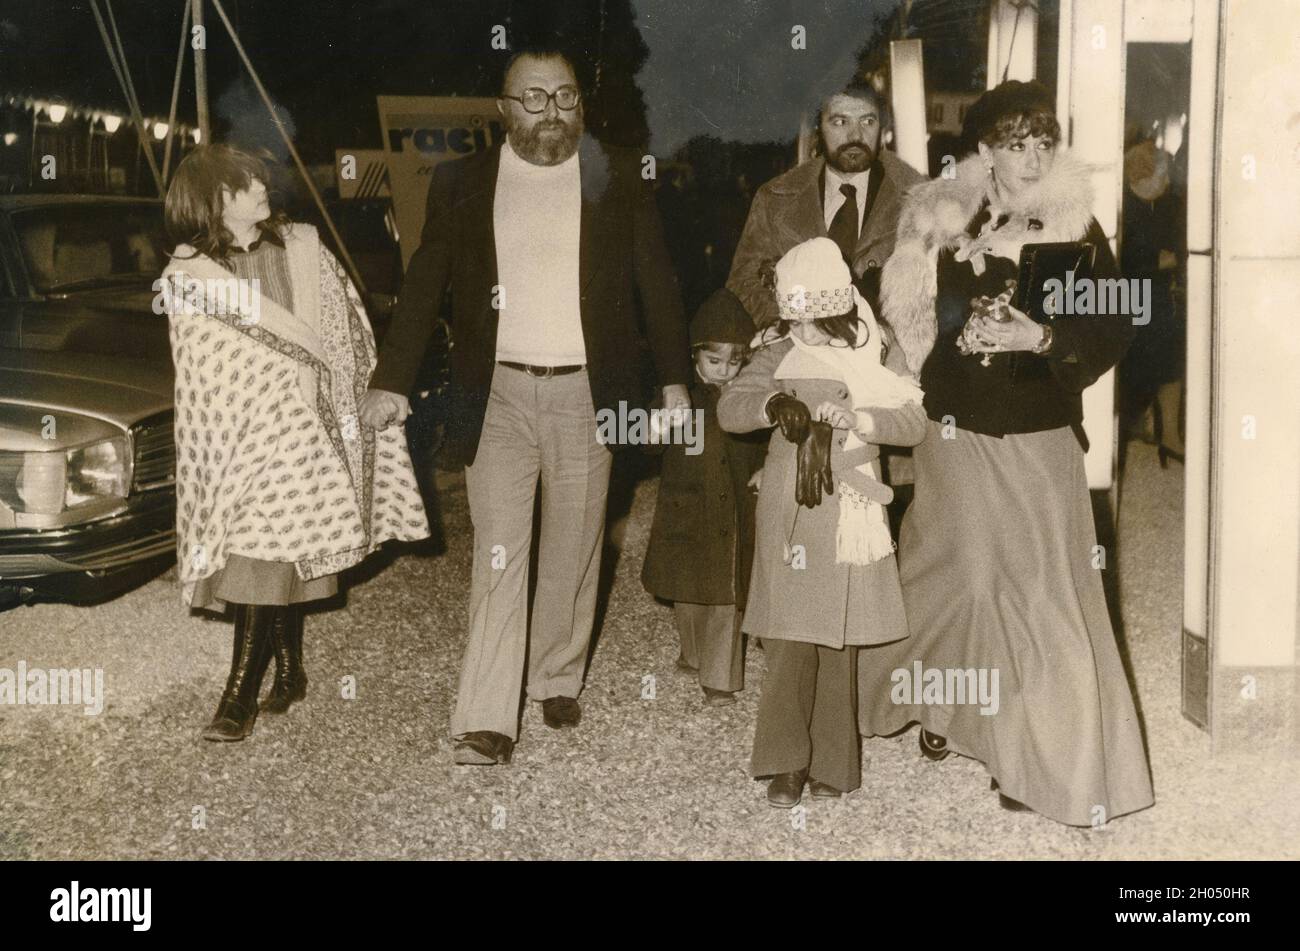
(1045, 344)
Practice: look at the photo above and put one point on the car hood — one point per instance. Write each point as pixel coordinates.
(115, 322)
(120, 391)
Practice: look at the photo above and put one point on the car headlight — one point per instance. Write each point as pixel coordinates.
(48, 483)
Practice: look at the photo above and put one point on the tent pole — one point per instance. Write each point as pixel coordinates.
(201, 74)
(176, 91)
(123, 78)
(284, 134)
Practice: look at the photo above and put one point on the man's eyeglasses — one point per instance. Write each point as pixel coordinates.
(534, 99)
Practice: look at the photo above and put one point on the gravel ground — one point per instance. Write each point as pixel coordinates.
(649, 773)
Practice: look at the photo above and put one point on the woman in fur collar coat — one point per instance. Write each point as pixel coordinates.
(996, 549)
(278, 487)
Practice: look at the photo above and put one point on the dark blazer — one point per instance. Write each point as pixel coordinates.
(622, 256)
(702, 539)
(789, 210)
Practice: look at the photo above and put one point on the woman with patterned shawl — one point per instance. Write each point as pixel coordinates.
(278, 485)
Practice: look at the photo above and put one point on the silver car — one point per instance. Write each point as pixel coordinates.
(87, 496)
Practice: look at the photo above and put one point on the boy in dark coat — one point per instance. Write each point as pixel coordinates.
(702, 540)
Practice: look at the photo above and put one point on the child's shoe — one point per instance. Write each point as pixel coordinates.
(823, 790)
(718, 698)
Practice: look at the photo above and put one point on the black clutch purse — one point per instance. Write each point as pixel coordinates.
(1048, 273)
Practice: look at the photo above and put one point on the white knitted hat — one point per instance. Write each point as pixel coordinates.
(813, 281)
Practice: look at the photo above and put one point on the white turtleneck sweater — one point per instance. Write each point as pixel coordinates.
(537, 218)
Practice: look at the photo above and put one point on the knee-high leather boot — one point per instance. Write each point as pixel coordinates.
(290, 683)
(253, 643)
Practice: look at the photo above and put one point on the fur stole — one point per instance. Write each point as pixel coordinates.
(935, 217)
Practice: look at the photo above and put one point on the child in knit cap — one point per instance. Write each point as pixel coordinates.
(701, 542)
(824, 582)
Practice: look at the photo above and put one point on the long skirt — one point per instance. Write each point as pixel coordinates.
(1011, 655)
(253, 581)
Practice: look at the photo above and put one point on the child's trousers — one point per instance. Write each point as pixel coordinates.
(808, 714)
(712, 642)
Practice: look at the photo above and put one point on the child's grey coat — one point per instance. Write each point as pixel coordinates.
(813, 599)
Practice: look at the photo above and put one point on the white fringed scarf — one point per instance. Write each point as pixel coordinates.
(863, 534)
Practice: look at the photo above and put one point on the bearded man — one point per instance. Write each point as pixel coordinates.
(544, 243)
(851, 193)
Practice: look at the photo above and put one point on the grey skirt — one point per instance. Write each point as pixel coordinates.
(997, 567)
(253, 581)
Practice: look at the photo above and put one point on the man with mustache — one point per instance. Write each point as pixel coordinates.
(850, 192)
(544, 243)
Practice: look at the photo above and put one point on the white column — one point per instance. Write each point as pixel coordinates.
(1255, 435)
(1094, 32)
(1200, 146)
(907, 90)
(1013, 46)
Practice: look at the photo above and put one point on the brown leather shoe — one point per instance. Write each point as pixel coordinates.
(483, 748)
(786, 789)
(823, 790)
(561, 712)
(718, 698)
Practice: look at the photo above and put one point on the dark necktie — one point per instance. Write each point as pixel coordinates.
(844, 226)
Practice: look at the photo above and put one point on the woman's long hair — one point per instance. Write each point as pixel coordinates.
(194, 204)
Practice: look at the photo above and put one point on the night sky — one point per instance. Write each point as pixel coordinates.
(724, 68)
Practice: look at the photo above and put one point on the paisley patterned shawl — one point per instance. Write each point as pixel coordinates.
(272, 462)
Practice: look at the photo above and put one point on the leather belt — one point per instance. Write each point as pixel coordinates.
(543, 372)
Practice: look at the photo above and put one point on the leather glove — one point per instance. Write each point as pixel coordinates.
(813, 478)
(791, 415)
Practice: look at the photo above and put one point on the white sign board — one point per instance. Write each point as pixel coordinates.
(421, 131)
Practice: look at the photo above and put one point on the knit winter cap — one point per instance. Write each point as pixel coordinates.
(813, 281)
(722, 319)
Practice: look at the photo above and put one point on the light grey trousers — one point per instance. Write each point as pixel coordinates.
(712, 643)
(545, 429)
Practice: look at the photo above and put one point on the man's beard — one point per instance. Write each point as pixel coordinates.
(851, 164)
(539, 146)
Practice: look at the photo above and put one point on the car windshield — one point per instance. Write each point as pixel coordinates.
(85, 246)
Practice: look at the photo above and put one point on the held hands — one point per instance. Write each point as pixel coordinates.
(381, 409)
(677, 402)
